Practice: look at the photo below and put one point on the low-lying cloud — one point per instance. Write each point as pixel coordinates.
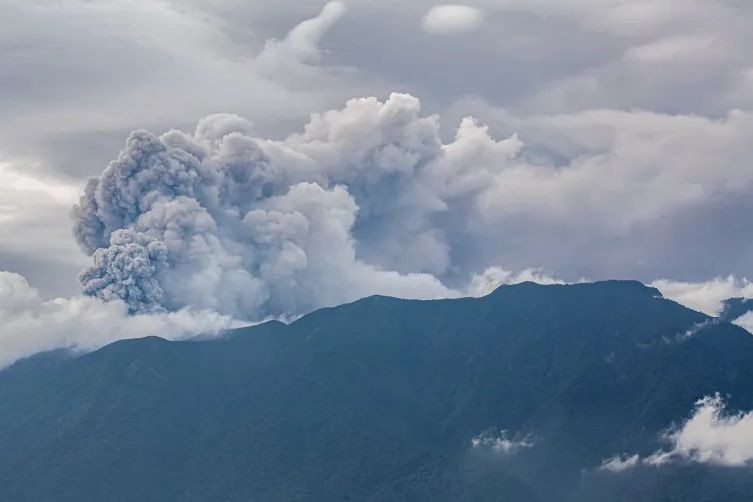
(31, 324)
(620, 463)
(501, 442)
(707, 296)
(711, 435)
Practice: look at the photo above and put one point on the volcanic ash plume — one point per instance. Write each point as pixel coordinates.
(365, 200)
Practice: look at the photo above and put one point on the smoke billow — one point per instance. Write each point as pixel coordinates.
(368, 199)
(356, 204)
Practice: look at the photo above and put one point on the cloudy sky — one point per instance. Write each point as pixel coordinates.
(296, 154)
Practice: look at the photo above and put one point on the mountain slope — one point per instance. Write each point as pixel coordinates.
(733, 308)
(380, 400)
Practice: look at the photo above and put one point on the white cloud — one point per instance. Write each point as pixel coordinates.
(745, 321)
(620, 463)
(490, 279)
(577, 210)
(710, 436)
(501, 443)
(452, 19)
(301, 44)
(304, 39)
(706, 297)
(29, 324)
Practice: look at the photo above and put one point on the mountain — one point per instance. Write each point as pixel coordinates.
(734, 308)
(386, 399)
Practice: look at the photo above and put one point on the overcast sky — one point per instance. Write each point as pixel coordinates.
(609, 139)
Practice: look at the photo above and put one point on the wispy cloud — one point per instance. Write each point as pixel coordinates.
(501, 442)
(706, 296)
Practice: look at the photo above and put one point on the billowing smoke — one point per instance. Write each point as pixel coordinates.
(358, 203)
(368, 199)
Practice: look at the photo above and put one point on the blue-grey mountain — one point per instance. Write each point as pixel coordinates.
(386, 399)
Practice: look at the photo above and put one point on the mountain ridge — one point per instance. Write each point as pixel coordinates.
(380, 399)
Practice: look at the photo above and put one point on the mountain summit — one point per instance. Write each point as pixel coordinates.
(520, 395)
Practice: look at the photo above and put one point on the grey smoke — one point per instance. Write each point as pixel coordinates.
(368, 199)
(126, 270)
(249, 227)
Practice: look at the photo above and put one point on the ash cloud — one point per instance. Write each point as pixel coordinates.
(368, 199)
(250, 227)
